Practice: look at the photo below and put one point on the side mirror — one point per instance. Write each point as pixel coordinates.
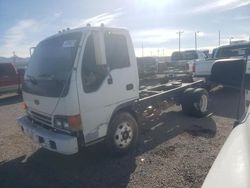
(32, 50)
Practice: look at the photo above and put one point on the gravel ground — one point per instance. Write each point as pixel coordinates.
(177, 152)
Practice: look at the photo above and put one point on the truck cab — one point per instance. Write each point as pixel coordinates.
(68, 77)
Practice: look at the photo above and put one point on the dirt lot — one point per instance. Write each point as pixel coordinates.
(178, 152)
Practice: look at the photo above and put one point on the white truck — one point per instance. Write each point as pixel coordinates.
(185, 60)
(82, 87)
(222, 55)
(232, 166)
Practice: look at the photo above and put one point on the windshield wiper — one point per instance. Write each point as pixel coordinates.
(32, 79)
(50, 77)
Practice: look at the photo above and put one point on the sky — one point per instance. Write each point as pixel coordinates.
(153, 24)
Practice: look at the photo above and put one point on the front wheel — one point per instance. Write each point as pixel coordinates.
(122, 134)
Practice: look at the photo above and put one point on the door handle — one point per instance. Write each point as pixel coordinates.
(130, 86)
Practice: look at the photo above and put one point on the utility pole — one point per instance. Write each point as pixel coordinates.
(14, 57)
(219, 38)
(195, 39)
(179, 33)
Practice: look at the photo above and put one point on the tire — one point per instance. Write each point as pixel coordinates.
(195, 102)
(186, 103)
(122, 134)
(200, 102)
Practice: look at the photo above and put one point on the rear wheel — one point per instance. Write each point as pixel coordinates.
(123, 133)
(195, 102)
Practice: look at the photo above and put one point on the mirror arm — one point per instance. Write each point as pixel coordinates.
(110, 79)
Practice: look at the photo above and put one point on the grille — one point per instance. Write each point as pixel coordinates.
(40, 118)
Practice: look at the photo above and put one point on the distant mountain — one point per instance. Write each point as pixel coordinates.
(14, 59)
(18, 62)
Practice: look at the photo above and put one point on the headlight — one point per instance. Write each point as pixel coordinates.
(24, 106)
(68, 122)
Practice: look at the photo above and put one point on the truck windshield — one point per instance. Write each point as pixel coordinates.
(182, 56)
(232, 51)
(51, 64)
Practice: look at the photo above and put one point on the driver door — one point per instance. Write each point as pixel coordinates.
(103, 78)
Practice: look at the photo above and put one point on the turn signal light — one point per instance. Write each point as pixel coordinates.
(24, 106)
(74, 122)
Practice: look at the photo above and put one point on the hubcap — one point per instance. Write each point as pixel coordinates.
(123, 135)
(202, 105)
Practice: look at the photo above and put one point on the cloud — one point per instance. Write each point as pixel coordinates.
(17, 38)
(155, 36)
(17, 33)
(220, 5)
(104, 18)
(239, 18)
(57, 14)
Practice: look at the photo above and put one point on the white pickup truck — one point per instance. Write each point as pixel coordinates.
(223, 54)
(82, 87)
(185, 60)
(232, 166)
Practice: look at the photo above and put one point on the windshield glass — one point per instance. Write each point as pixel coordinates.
(176, 56)
(232, 51)
(51, 64)
(190, 55)
(187, 55)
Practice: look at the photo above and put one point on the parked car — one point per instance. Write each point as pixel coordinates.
(10, 78)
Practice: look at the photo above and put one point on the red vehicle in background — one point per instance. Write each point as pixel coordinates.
(10, 78)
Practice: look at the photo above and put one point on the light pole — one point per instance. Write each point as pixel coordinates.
(195, 39)
(230, 40)
(179, 33)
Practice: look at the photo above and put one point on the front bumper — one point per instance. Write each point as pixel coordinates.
(54, 141)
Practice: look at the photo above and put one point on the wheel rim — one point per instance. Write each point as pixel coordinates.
(123, 135)
(202, 104)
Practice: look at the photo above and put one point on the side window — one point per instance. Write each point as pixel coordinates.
(93, 74)
(116, 51)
